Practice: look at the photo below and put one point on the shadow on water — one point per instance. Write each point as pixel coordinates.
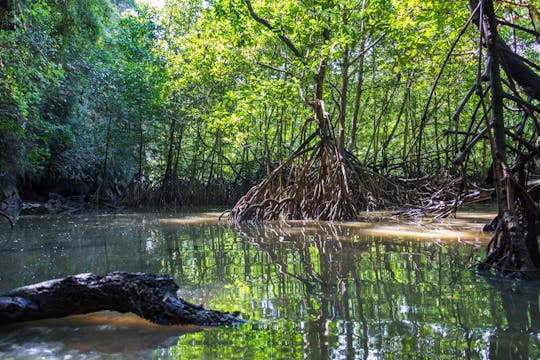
(311, 290)
(519, 337)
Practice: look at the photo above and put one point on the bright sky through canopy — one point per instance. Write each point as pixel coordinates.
(156, 3)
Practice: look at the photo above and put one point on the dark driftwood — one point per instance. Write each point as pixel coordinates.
(149, 296)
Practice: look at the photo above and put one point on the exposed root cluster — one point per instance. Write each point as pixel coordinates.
(513, 249)
(318, 183)
(441, 197)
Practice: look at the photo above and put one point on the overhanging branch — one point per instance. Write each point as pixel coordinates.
(266, 24)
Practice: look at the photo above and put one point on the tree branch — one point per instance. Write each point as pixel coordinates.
(266, 24)
(529, 31)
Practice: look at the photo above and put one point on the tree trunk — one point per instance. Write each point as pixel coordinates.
(321, 180)
(358, 94)
(103, 183)
(168, 168)
(514, 248)
(141, 143)
(343, 92)
(148, 296)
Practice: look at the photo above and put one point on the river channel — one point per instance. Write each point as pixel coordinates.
(381, 288)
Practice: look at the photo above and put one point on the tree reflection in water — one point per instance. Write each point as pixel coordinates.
(519, 338)
(311, 290)
(330, 291)
(324, 267)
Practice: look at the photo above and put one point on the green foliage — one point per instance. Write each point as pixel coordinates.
(69, 70)
(27, 73)
(202, 89)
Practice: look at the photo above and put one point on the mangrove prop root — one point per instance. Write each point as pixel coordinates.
(319, 183)
(508, 254)
(148, 296)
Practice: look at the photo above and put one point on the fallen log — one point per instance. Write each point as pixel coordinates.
(148, 296)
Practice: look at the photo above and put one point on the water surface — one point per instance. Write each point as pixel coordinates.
(366, 290)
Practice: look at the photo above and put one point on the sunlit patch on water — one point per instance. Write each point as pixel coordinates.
(417, 232)
(190, 220)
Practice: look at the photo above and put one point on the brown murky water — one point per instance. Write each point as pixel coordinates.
(375, 289)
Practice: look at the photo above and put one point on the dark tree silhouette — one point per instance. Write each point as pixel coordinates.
(508, 81)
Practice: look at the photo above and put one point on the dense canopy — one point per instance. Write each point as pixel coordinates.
(198, 100)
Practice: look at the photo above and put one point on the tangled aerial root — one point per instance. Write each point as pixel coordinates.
(319, 183)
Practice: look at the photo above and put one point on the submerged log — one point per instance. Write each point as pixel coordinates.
(148, 296)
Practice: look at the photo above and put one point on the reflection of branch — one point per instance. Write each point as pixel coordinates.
(257, 235)
(8, 218)
(283, 270)
(267, 237)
